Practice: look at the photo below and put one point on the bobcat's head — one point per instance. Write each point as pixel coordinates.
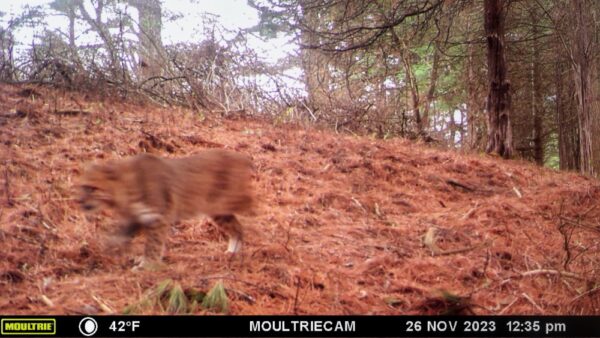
(98, 186)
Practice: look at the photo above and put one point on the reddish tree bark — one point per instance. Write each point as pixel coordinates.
(586, 90)
(498, 100)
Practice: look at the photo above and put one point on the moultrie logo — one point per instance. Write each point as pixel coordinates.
(28, 326)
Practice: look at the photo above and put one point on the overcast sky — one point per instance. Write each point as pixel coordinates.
(232, 14)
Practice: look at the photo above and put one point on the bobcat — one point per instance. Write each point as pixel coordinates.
(149, 193)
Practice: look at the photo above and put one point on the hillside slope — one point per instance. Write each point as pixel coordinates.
(345, 224)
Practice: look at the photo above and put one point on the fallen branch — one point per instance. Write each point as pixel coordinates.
(460, 250)
(562, 228)
(70, 112)
(17, 114)
(460, 185)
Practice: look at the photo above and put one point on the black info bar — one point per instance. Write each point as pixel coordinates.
(301, 326)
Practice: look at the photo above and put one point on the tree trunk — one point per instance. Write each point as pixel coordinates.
(498, 100)
(149, 35)
(314, 63)
(432, 83)
(103, 31)
(452, 127)
(410, 79)
(414, 93)
(586, 90)
(71, 14)
(461, 129)
(475, 120)
(537, 104)
(7, 43)
(566, 118)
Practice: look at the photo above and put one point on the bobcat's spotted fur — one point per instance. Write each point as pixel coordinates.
(149, 193)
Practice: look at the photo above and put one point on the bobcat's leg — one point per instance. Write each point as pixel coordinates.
(233, 228)
(155, 246)
(154, 217)
(138, 219)
(124, 234)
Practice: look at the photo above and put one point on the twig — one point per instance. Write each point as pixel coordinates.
(161, 78)
(309, 110)
(562, 228)
(46, 222)
(70, 112)
(460, 185)
(9, 200)
(470, 212)
(585, 294)
(242, 295)
(508, 306)
(288, 235)
(46, 301)
(460, 250)
(580, 224)
(379, 214)
(530, 300)
(262, 288)
(516, 190)
(358, 203)
(103, 305)
(227, 111)
(487, 261)
(551, 272)
(566, 237)
(296, 296)
(589, 210)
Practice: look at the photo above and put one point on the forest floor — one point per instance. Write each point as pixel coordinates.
(344, 224)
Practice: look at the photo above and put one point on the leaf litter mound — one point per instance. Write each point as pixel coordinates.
(344, 224)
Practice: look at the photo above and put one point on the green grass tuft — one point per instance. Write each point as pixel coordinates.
(178, 302)
(216, 299)
(169, 297)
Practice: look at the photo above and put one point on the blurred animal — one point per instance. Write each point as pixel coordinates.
(149, 193)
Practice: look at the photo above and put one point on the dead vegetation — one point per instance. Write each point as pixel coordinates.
(345, 225)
